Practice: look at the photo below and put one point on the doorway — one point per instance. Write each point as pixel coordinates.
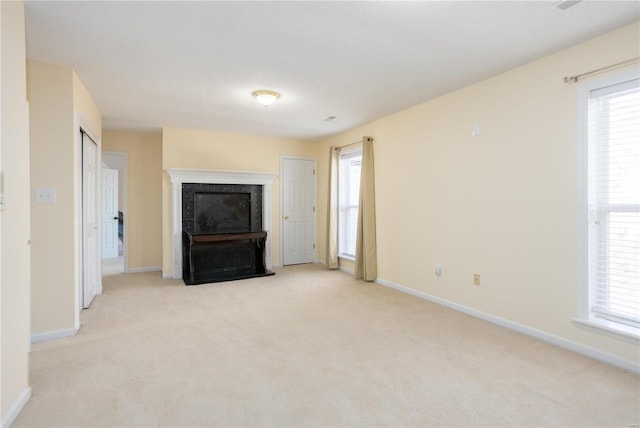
(298, 219)
(114, 167)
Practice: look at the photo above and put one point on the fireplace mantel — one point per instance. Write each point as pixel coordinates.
(180, 175)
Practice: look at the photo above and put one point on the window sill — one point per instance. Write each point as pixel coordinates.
(350, 258)
(611, 329)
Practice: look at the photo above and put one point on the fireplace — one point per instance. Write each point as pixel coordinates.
(221, 208)
(246, 197)
(222, 236)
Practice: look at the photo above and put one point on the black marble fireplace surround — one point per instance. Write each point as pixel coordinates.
(222, 237)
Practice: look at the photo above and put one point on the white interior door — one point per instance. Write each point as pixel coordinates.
(298, 211)
(109, 213)
(90, 249)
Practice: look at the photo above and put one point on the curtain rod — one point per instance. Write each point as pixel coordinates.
(349, 145)
(353, 144)
(573, 79)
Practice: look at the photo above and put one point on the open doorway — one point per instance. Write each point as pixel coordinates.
(114, 176)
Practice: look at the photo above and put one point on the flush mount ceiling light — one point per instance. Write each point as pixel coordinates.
(266, 98)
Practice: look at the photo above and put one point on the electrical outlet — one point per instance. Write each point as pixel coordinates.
(438, 270)
(476, 279)
(45, 196)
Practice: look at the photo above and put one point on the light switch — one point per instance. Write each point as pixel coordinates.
(45, 196)
(475, 131)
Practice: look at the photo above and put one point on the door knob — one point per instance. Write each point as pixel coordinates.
(115, 218)
(286, 217)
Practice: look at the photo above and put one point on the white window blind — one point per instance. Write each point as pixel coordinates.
(613, 121)
(348, 197)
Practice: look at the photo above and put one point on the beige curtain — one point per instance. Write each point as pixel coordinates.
(332, 219)
(366, 254)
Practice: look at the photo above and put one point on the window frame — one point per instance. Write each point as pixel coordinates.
(345, 154)
(584, 317)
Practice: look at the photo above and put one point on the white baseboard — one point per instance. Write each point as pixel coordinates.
(144, 269)
(605, 357)
(51, 335)
(16, 407)
(347, 270)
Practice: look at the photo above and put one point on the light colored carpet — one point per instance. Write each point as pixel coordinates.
(113, 266)
(308, 347)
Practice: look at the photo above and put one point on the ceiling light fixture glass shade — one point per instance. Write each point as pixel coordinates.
(266, 98)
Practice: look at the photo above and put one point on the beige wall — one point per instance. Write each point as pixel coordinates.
(143, 221)
(59, 105)
(86, 113)
(503, 204)
(117, 161)
(52, 166)
(199, 149)
(14, 218)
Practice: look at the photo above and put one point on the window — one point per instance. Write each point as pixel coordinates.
(613, 203)
(348, 197)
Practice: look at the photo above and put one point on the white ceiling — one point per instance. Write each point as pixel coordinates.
(195, 64)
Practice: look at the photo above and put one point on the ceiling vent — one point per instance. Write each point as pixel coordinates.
(564, 5)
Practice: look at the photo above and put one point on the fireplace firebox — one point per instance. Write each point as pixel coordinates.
(222, 236)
